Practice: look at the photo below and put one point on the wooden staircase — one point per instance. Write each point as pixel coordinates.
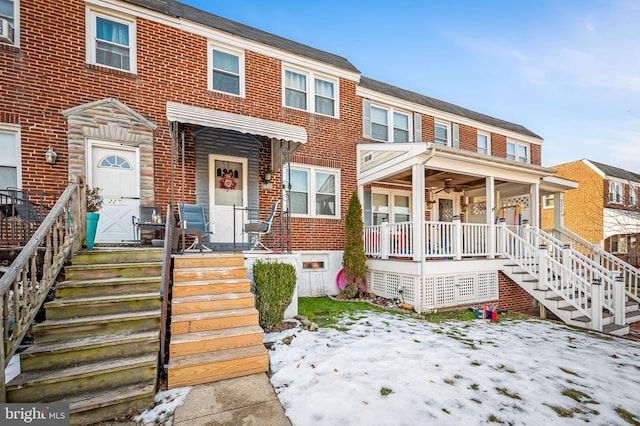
(214, 325)
(98, 347)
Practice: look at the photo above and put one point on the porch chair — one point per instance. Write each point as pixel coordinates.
(261, 227)
(192, 222)
(142, 221)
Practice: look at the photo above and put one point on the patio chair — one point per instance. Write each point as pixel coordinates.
(261, 227)
(193, 223)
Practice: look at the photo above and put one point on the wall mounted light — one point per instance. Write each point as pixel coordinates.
(268, 176)
(50, 156)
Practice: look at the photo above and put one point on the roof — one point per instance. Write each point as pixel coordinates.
(616, 172)
(417, 98)
(180, 10)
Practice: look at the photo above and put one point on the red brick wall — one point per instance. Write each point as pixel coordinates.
(512, 297)
(468, 138)
(498, 145)
(536, 154)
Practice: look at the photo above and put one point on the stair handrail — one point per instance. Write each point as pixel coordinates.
(630, 274)
(22, 288)
(165, 285)
(572, 287)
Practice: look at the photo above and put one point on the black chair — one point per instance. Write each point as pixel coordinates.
(261, 227)
(144, 221)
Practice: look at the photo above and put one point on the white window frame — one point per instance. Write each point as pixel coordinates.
(311, 184)
(548, 201)
(487, 150)
(633, 195)
(15, 131)
(241, 68)
(312, 76)
(391, 125)
(516, 156)
(615, 192)
(447, 127)
(391, 203)
(91, 16)
(15, 24)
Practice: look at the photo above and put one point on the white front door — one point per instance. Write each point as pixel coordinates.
(227, 188)
(115, 169)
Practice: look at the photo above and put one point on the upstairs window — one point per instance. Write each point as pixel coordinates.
(615, 192)
(633, 195)
(483, 143)
(379, 123)
(400, 127)
(442, 134)
(388, 125)
(226, 70)
(309, 92)
(9, 160)
(111, 42)
(518, 151)
(8, 14)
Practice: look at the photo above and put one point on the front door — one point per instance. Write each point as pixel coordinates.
(227, 188)
(114, 169)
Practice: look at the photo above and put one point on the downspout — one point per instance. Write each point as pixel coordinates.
(423, 260)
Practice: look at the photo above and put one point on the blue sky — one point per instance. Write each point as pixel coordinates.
(568, 70)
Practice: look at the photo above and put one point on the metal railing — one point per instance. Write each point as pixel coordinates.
(24, 287)
(165, 286)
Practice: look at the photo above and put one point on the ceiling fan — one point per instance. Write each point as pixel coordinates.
(449, 187)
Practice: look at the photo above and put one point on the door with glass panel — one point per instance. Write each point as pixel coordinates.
(227, 188)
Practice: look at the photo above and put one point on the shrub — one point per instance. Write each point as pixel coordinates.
(274, 286)
(354, 261)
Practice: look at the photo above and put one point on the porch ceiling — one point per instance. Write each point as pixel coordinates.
(177, 112)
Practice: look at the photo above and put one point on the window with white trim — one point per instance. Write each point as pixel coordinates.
(615, 192)
(10, 160)
(390, 206)
(310, 92)
(8, 19)
(633, 195)
(484, 146)
(442, 133)
(518, 151)
(389, 125)
(314, 191)
(226, 70)
(111, 41)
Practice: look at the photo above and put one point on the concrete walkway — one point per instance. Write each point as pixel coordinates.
(247, 401)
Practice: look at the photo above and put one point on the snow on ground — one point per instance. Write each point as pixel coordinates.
(390, 370)
(165, 404)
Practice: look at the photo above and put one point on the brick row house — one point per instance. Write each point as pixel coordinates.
(157, 101)
(604, 210)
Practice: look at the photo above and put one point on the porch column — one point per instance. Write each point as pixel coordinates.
(418, 211)
(558, 210)
(490, 196)
(534, 200)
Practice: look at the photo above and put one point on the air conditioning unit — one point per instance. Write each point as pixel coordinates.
(6, 31)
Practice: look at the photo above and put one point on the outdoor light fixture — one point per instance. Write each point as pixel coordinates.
(267, 177)
(50, 156)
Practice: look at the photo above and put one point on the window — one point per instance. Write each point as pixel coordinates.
(226, 70)
(548, 201)
(114, 162)
(111, 42)
(9, 160)
(633, 195)
(483, 143)
(517, 151)
(615, 192)
(390, 207)
(618, 244)
(309, 92)
(442, 134)
(314, 191)
(8, 14)
(384, 120)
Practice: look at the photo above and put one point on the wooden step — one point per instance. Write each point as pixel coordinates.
(52, 385)
(60, 330)
(103, 305)
(117, 255)
(211, 302)
(213, 366)
(215, 340)
(195, 288)
(113, 270)
(632, 317)
(54, 355)
(94, 407)
(209, 273)
(615, 329)
(207, 260)
(203, 321)
(107, 287)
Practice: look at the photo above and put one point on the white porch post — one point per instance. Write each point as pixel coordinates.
(597, 300)
(558, 210)
(619, 300)
(543, 273)
(490, 197)
(457, 238)
(534, 201)
(418, 211)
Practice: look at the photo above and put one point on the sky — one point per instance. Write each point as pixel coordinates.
(384, 369)
(567, 70)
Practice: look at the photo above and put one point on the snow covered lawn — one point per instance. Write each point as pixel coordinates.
(390, 370)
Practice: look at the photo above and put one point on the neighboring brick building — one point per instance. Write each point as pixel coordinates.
(604, 209)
